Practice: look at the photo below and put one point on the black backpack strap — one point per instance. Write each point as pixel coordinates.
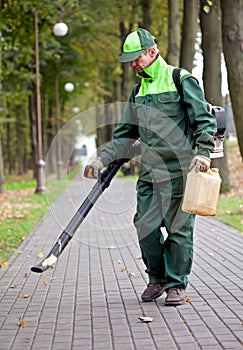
(136, 88)
(177, 81)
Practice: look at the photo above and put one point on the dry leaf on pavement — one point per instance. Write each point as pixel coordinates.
(26, 296)
(187, 298)
(131, 274)
(22, 323)
(145, 319)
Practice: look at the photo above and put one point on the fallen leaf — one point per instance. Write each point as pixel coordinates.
(4, 264)
(187, 298)
(145, 319)
(40, 255)
(26, 296)
(13, 286)
(123, 269)
(45, 282)
(110, 247)
(210, 254)
(130, 274)
(119, 262)
(138, 257)
(22, 323)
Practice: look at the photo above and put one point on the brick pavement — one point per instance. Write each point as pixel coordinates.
(91, 299)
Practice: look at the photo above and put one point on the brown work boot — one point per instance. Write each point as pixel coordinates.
(153, 291)
(175, 296)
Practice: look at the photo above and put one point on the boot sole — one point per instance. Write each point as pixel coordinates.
(154, 297)
(174, 303)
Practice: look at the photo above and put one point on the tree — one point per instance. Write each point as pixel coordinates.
(173, 54)
(210, 22)
(1, 169)
(189, 32)
(232, 14)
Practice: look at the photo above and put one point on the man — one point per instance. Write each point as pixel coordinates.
(173, 135)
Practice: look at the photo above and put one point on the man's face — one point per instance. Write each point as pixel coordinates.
(143, 61)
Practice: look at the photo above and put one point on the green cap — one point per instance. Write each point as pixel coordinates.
(135, 43)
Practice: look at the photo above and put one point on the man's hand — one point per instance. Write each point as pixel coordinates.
(96, 167)
(201, 163)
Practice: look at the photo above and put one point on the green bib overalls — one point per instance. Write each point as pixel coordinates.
(156, 115)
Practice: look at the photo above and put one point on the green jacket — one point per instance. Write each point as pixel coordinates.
(155, 114)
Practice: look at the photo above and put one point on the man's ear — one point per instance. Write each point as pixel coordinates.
(152, 52)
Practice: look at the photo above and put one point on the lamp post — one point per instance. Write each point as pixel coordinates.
(61, 29)
(58, 125)
(69, 87)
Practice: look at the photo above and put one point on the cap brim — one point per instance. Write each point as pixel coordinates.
(130, 56)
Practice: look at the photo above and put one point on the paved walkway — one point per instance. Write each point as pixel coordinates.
(91, 299)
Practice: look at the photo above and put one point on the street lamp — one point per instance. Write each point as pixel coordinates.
(69, 87)
(61, 30)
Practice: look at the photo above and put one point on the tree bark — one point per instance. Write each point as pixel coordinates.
(189, 32)
(146, 13)
(2, 189)
(33, 133)
(173, 54)
(232, 34)
(126, 72)
(212, 48)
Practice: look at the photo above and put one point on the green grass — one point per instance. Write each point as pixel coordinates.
(26, 211)
(230, 211)
(20, 185)
(14, 230)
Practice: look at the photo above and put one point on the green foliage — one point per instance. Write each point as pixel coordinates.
(88, 54)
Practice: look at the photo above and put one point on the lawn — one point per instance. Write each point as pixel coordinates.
(21, 209)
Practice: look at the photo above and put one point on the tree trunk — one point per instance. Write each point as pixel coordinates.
(212, 48)
(19, 136)
(33, 134)
(189, 30)
(10, 141)
(232, 34)
(1, 168)
(173, 53)
(126, 71)
(146, 13)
